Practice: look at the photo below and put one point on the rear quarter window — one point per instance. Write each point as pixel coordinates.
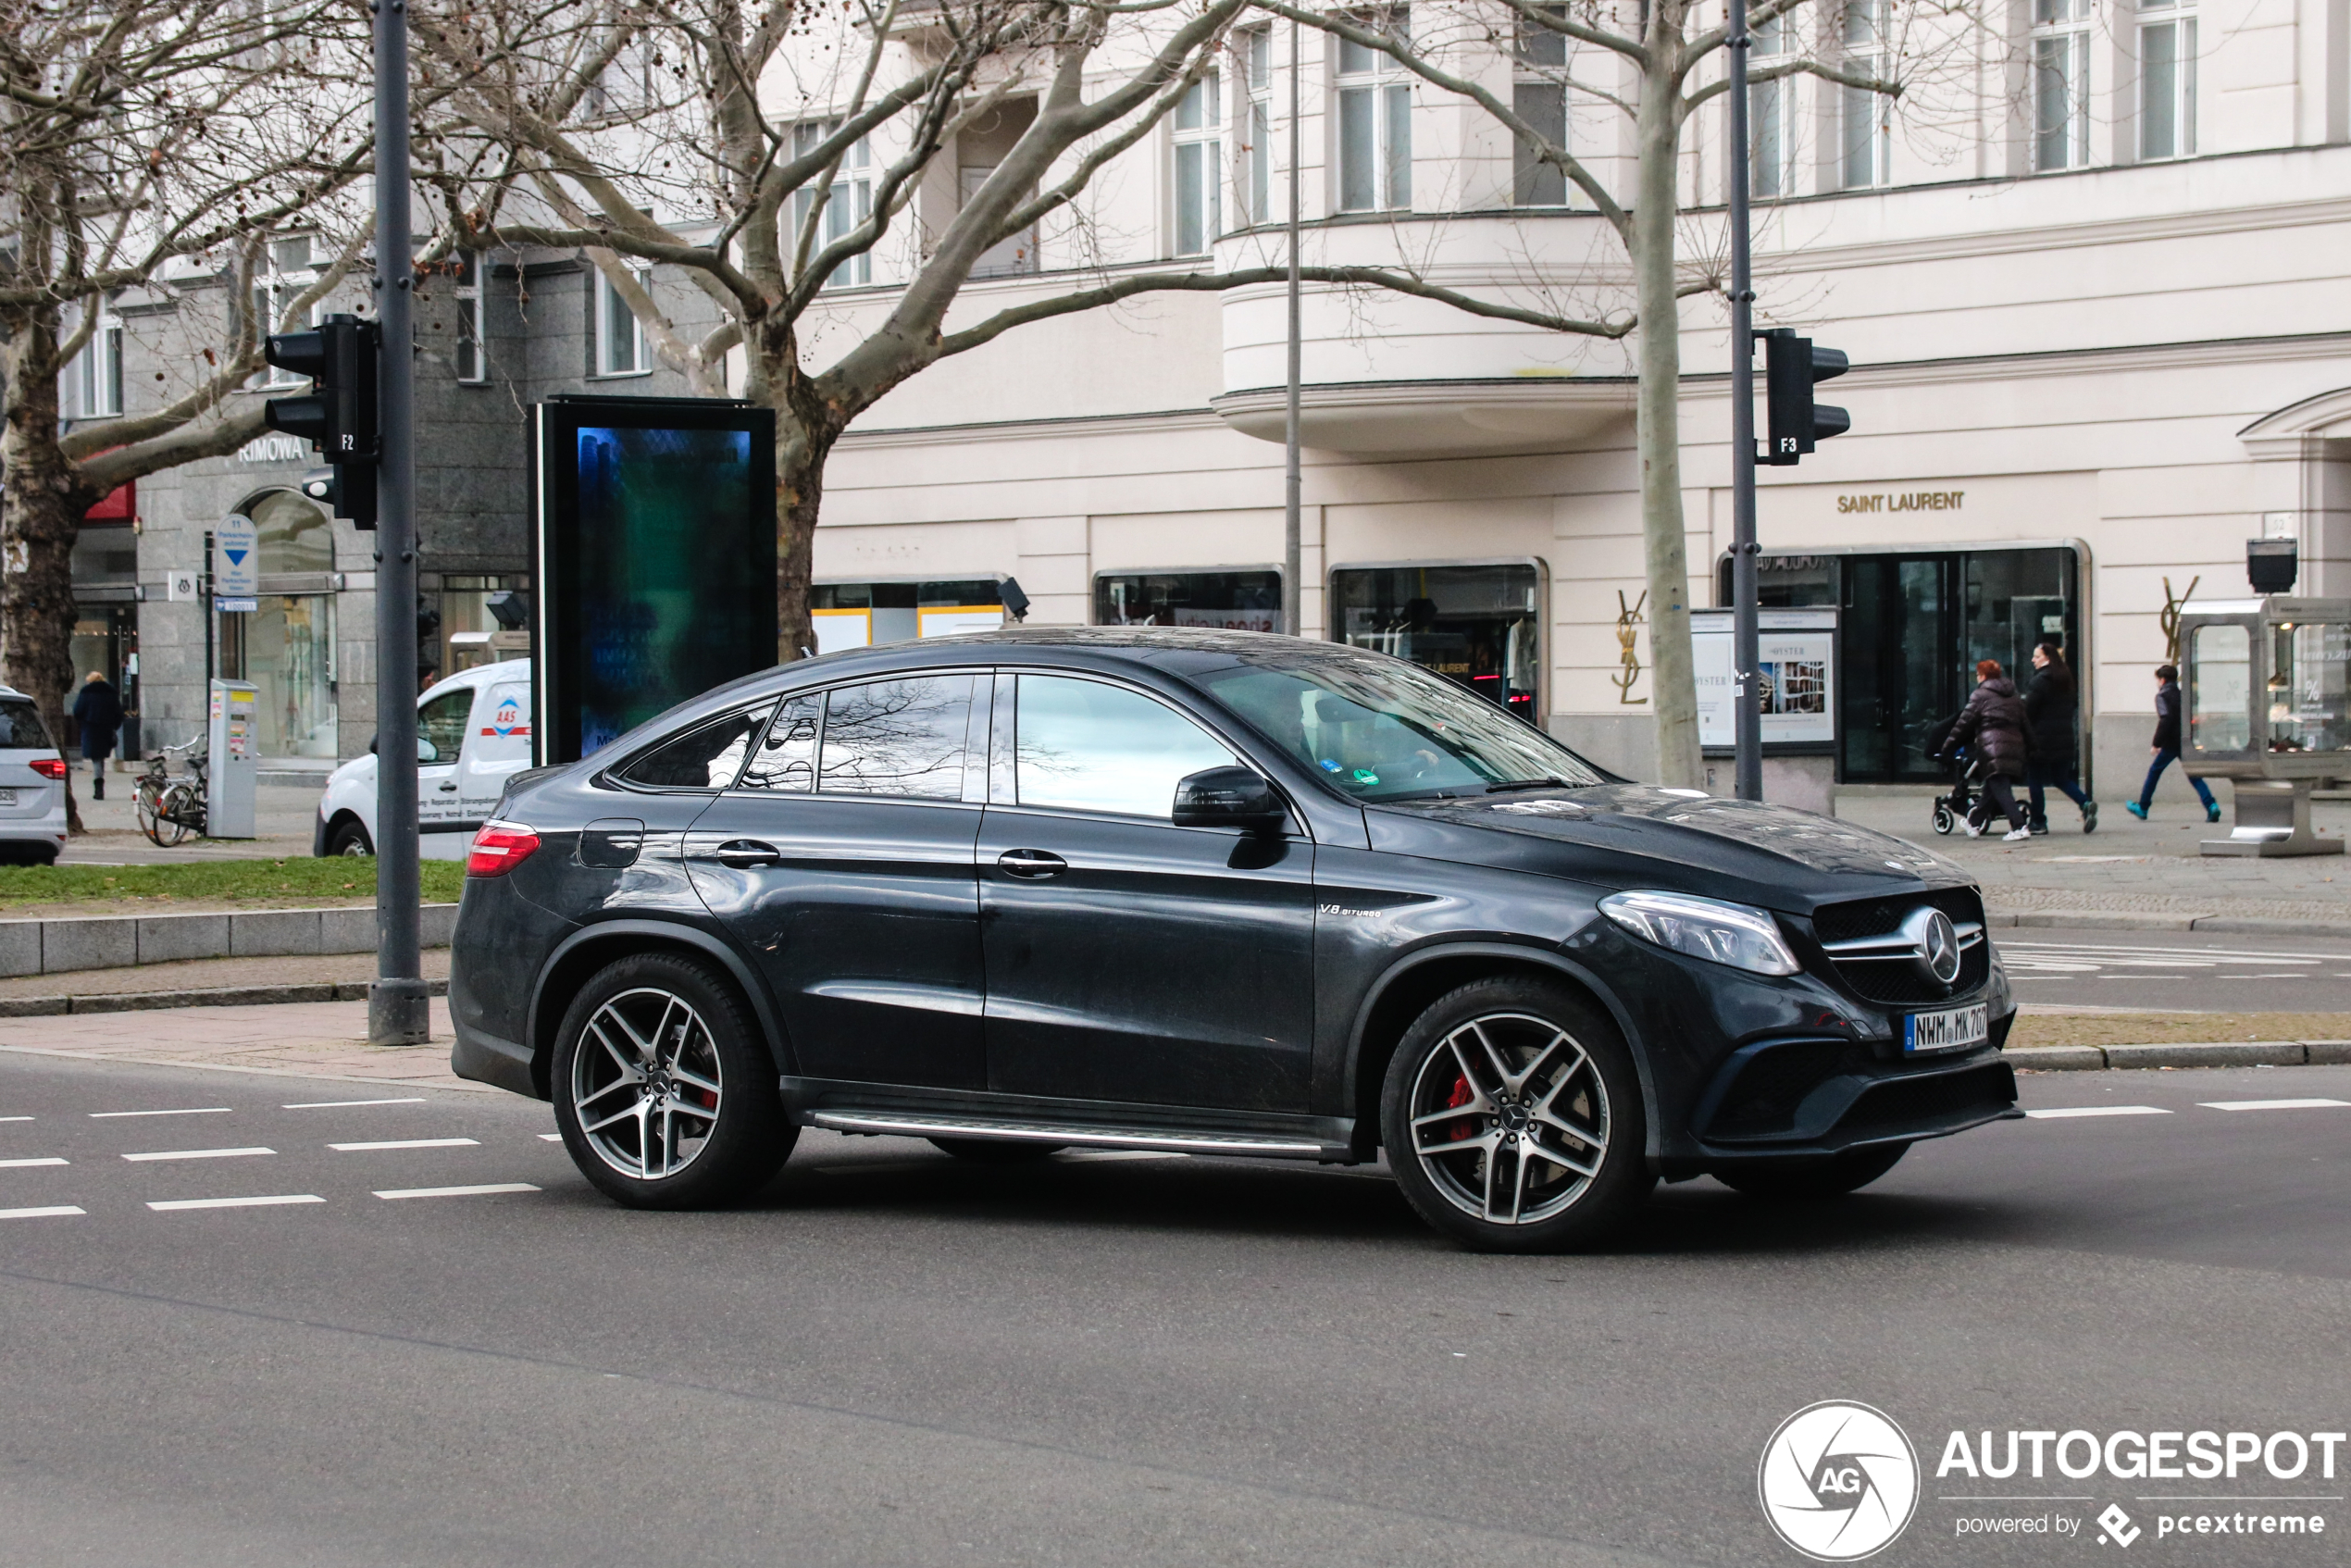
(20, 725)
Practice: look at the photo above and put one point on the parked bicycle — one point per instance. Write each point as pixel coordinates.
(171, 806)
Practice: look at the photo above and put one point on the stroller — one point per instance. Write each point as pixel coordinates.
(1971, 771)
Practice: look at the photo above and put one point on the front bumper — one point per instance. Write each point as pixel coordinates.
(1787, 1098)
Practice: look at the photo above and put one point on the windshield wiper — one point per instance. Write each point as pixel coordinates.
(1499, 786)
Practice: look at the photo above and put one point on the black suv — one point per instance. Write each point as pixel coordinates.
(1223, 894)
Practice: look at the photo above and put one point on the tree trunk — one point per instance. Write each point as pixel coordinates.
(799, 491)
(40, 519)
(1659, 430)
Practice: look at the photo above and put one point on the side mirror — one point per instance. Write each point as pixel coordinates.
(1228, 797)
(427, 751)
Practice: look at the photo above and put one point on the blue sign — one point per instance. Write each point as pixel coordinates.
(236, 559)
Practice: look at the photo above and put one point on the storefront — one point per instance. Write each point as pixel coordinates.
(287, 645)
(865, 614)
(1245, 599)
(1477, 623)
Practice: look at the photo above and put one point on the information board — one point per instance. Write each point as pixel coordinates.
(1798, 655)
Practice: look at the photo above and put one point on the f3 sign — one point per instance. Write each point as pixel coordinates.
(1792, 366)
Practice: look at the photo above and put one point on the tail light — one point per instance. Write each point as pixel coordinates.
(499, 847)
(49, 767)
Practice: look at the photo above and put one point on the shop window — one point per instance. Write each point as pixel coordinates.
(2167, 80)
(464, 604)
(866, 614)
(1477, 625)
(1249, 601)
(1376, 119)
(1538, 97)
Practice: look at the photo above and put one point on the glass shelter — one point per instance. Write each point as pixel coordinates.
(2267, 685)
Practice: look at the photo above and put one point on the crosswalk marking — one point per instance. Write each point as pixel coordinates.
(40, 1213)
(198, 1153)
(2272, 1105)
(236, 1202)
(20, 1164)
(474, 1191)
(2067, 1111)
(408, 1143)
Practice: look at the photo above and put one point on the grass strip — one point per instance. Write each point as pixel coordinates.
(337, 879)
(2174, 1028)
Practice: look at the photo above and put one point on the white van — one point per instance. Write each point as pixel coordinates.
(473, 733)
(32, 783)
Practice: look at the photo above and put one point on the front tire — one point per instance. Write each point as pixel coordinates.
(664, 1089)
(350, 838)
(1513, 1119)
(1797, 1180)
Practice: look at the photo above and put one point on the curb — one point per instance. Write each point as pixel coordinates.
(121, 941)
(2215, 1054)
(215, 996)
(2138, 920)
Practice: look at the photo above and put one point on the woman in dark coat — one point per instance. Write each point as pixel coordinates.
(1993, 725)
(2050, 709)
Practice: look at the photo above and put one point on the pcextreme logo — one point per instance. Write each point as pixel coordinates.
(1839, 1481)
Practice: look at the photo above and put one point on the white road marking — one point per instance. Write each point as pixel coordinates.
(459, 1192)
(15, 1118)
(2099, 1111)
(20, 1164)
(198, 1153)
(342, 1104)
(193, 1110)
(409, 1143)
(40, 1213)
(550, 1138)
(237, 1203)
(2272, 1105)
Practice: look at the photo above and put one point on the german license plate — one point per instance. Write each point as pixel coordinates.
(8, 797)
(1952, 1030)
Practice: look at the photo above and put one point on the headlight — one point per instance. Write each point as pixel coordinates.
(1708, 928)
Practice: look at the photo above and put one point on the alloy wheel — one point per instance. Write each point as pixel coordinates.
(646, 1084)
(1509, 1118)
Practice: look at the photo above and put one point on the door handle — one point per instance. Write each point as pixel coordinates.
(448, 788)
(1031, 864)
(744, 854)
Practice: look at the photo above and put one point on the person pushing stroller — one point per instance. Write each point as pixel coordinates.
(1992, 726)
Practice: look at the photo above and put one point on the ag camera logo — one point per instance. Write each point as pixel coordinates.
(1838, 1481)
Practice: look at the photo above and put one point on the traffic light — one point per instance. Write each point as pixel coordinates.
(337, 415)
(1791, 366)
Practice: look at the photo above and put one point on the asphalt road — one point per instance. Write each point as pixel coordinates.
(2178, 971)
(894, 1357)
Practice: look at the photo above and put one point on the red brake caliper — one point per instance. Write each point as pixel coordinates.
(1460, 1096)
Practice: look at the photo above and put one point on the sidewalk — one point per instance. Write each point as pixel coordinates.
(311, 1039)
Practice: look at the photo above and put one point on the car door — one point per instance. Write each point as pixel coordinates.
(841, 859)
(1129, 959)
(441, 723)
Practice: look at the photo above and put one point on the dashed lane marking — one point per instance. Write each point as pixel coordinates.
(20, 1164)
(2273, 1104)
(262, 1203)
(550, 1138)
(15, 1118)
(198, 1153)
(476, 1191)
(190, 1111)
(40, 1213)
(409, 1143)
(345, 1104)
(2067, 1111)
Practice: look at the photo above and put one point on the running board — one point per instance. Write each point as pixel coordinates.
(900, 1123)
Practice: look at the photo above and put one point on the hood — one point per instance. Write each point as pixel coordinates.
(1623, 835)
(2000, 686)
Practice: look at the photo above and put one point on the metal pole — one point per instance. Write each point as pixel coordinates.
(1292, 481)
(396, 1005)
(1745, 652)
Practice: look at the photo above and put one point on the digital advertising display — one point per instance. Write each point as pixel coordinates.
(654, 551)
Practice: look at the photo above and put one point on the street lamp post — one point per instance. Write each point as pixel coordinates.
(1292, 481)
(1748, 718)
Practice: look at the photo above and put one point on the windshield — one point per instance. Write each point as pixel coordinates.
(1387, 730)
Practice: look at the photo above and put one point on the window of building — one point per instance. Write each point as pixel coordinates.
(2167, 80)
(1865, 135)
(620, 337)
(1242, 600)
(1086, 745)
(1253, 170)
(94, 380)
(2060, 84)
(1200, 142)
(897, 737)
(1770, 148)
(980, 149)
(848, 200)
(287, 269)
(1477, 625)
(1538, 97)
(1375, 120)
(473, 359)
(865, 614)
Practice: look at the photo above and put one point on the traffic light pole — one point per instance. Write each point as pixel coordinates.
(1746, 653)
(397, 1004)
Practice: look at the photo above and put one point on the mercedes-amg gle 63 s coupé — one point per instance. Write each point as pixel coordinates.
(1221, 893)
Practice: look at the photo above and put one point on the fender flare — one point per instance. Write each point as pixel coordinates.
(745, 976)
(1543, 957)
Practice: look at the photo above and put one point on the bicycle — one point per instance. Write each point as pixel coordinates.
(171, 808)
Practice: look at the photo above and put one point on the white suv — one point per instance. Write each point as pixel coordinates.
(473, 732)
(33, 784)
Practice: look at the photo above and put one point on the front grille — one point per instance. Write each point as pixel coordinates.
(1875, 917)
(1772, 1083)
(1903, 1102)
(1896, 982)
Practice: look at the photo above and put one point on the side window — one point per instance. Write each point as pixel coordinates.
(897, 738)
(786, 756)
(706, 758)
(1081, 745)
(504, 734)
(20, 724)
(441, 723)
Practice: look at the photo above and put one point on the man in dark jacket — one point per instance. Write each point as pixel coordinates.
(2166, 749)
(98, 711)
(2050, 707)
(1993, 725)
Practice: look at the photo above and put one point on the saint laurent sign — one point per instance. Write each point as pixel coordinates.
(1909, 501)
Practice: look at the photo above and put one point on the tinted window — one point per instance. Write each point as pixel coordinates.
(1084, 746)
(897, 738)
(786, 756)
(441, 723)
(20, 724)
(706, 758)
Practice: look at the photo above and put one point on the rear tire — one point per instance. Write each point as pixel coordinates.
(664, 1088)
(1800, 1179)
(997, 1150)
(1513, 1119)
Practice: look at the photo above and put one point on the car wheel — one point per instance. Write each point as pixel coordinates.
(1513, 1120)
(664, 1089)
(349, 838)
(1832, 1176)
(997, 1150)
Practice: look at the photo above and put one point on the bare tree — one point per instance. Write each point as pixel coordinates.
(1648, 60)
(733, 122)
(146, 148)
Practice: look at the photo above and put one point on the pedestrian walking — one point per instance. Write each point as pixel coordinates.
(98, 711)
(2051, 705)
(2166, 750)
(1993, 724)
